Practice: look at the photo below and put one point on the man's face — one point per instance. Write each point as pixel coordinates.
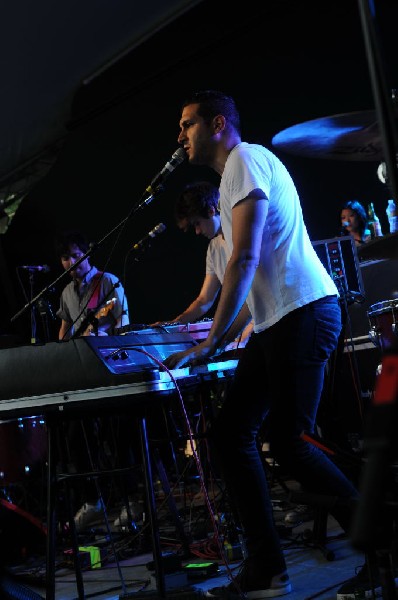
(209, 227)
(195, 136)
(70, 259)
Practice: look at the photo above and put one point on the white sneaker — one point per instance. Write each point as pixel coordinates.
(300, 514)
(123, 519)
(87, 515)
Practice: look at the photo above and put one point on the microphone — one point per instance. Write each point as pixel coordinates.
(43, 268)
(343, 230)
(159, 228)
(177, 158)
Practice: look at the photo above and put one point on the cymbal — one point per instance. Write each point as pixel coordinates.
(385, 247)
(346, 136)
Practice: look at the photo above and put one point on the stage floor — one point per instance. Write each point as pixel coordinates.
(312, 573)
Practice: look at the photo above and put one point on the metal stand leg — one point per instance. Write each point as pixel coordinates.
(52, 430)
(170, 500)
(51, 519)
(386, 571)
(157, 553)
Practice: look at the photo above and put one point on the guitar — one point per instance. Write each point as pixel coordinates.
(102, 312)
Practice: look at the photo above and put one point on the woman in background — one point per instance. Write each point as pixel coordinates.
(354, 221)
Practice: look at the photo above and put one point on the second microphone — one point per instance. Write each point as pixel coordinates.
(159, 228)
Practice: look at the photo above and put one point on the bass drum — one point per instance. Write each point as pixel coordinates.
(23, 444)
(383, 320)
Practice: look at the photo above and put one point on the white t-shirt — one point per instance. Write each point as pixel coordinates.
(217, 257)
(290, 274)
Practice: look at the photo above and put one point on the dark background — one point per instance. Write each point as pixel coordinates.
(285, 62)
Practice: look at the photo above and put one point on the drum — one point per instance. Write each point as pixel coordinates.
(23, 444)
(383, 319)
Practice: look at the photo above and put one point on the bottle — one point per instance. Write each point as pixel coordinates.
(391, 212)
(373, 222)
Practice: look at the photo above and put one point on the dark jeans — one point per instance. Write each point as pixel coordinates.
(280, 376)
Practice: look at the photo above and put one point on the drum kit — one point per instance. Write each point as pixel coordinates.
(23, 444)
(348, 136)
(354, 136)
(357, 136)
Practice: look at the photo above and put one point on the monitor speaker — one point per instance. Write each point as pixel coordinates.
(340, 258)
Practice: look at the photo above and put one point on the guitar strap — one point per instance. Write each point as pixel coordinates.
(93, 303)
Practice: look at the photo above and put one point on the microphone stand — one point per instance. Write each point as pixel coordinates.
(93, 247)
(33, 323)
(51, 478)
(380, 445)
(385, 107)
(44, 309)
(52, 284)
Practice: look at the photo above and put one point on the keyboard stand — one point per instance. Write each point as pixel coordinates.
(52, 430)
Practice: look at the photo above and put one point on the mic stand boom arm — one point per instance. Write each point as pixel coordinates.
(53, 283)
(88, 253)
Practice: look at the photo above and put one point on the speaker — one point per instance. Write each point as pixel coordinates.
(353, 372)
(340, 258)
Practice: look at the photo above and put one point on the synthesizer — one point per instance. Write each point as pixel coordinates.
(198, 330)
(93, 371)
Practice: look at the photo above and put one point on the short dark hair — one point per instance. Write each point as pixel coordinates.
(65, 239)
(196, 200)
(213, 103)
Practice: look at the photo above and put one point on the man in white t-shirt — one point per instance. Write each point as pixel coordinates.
(294, 303)
(197, 207)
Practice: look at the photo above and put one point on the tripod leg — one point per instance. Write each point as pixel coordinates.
(157, 553)
(172, 505)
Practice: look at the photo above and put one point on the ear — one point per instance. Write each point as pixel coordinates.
(211, 211)
(219, 123)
